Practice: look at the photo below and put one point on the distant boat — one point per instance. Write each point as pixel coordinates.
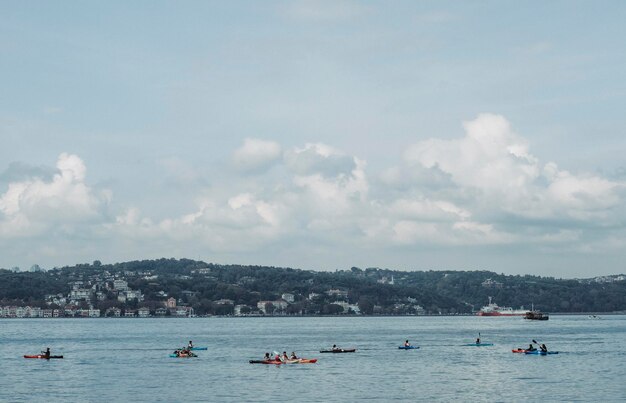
(536, 315)
(492, 309)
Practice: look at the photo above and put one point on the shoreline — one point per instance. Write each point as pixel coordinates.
(618, 313)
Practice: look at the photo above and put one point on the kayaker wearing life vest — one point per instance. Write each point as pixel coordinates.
(543, 348)
(293, 356)
(531, 347)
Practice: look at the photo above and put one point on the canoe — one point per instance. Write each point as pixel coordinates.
(479, 344)
(42, 356)
(408, 347)
(341, 350)
(538, 352)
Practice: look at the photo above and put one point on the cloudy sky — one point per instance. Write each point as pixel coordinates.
(315, 134)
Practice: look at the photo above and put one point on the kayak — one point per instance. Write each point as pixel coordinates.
(42, 356)
(340, 350)
(296, 361)
(408, 347)
(265, 362)
(302, 361)
(519, 350)
(538, 352)
(183, 356)
(479, 344)
(198, 348)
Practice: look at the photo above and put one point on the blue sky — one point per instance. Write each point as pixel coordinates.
(315, 134)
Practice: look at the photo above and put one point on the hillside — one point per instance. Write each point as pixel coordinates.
(199, 288)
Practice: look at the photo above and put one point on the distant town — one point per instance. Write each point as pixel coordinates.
(187, 288)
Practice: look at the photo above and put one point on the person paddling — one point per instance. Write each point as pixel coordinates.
(543, 348)
(335, 348)
(190, 345)
(293, 356)
(531, 348)
(46, 354)
(407, 344)
(267, 357)
(478, 340)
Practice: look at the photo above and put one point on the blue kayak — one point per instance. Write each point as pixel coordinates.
(408, 347)
(199, 348)
(479, 344)
(539, 352)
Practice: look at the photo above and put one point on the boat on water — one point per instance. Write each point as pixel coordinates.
(279, 362)
(492, 309)
(339, 350)
(536, 315)
(43, 356)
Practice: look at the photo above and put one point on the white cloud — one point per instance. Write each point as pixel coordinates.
(33, 205)
(319, 159)
(490, 157)
(496, 162)
(429, 210)
(482, 189)
(256, 155)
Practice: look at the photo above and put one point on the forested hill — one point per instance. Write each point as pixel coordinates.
(234, 289)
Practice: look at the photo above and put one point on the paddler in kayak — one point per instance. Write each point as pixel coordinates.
(335, 348)
(267, 357)
(531, 348)
(543, 348)
(478, 340)
(407, 344)
(46, 354)
(293, 356)
(285, 357)
(190, 345)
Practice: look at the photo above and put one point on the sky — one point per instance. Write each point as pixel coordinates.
(321, 135)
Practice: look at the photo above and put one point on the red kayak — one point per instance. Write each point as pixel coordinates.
(43, 356)
(302, 361)
(521, 350)
(275, 362)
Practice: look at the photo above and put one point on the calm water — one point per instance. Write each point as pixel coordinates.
(127, 359)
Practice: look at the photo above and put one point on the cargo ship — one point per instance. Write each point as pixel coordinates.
(492, 309)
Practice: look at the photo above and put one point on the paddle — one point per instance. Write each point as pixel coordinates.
(279, 356)
(537, 343)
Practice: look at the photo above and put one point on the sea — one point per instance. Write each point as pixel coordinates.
(127, 359)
